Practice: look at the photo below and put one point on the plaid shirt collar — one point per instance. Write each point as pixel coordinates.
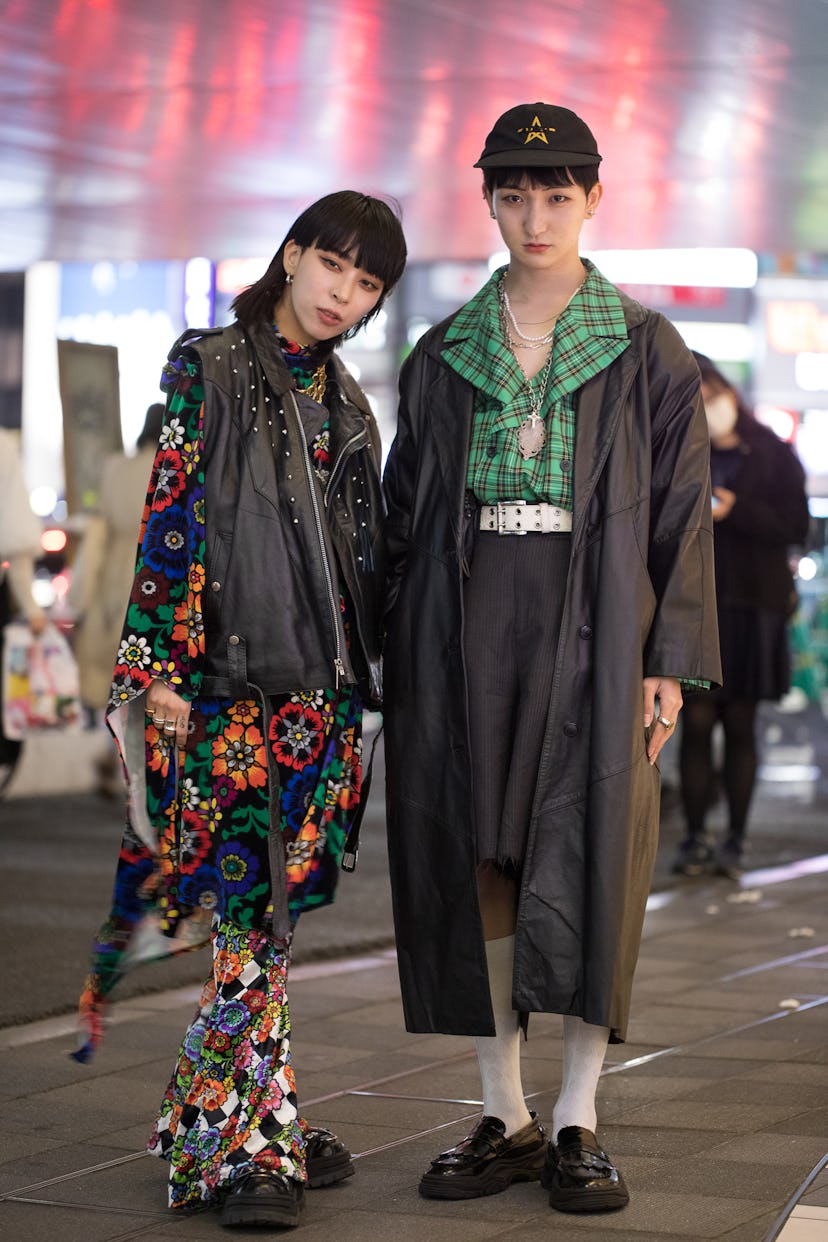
(590, 333)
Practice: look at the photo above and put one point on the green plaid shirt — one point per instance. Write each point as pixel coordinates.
(590, 334)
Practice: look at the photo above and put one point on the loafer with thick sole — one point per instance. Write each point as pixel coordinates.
(261, 1199)
(487, 1162)
(327, 1159)
(580, 1176)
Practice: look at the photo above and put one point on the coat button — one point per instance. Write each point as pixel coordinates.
(585, 631)
(234, 640)
(570, 728)
(215, 586)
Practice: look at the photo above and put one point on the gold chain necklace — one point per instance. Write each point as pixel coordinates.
(316, 388)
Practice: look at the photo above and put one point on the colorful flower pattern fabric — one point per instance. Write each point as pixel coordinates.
(198, 832)
(231, 1102)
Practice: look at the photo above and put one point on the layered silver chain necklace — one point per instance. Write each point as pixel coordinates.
(531, 434)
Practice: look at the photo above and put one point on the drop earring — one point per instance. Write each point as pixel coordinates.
(289, 278)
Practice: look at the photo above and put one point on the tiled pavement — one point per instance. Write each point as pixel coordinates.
(716, 1108)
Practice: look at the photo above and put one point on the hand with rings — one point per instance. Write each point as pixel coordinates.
(169, 712)
(667, 691)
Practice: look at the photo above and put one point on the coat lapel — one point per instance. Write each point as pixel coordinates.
(599, 408)
(449, 404)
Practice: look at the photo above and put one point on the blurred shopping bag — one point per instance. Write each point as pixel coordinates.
(40, 681)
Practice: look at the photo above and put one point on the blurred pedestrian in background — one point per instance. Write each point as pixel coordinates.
(550, 586)
(103, 570)
(251, 642)
(102, 576)
(760, 510)
(20, 532)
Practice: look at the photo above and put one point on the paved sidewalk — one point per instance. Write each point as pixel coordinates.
(716, 1108)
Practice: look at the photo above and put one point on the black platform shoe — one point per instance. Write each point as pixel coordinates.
(260, 1198)
(580, 1176)
(486, 1162)
(327, 1159)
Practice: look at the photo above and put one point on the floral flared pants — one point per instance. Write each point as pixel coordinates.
(231, 1102)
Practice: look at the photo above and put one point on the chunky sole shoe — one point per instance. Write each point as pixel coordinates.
(486, 1162)
(262, 1199)
(580, 1176)
(327, 1159)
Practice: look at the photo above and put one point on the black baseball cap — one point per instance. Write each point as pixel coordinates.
(537, 134)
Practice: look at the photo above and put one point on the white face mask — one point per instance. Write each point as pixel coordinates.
(721, 414)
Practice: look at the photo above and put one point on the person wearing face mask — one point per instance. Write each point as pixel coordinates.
(760, 509)
(250, 644)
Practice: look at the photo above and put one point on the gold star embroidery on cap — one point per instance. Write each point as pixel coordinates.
(536, 130)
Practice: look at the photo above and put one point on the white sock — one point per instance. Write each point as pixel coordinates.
(499, 1055)
(584, 1049)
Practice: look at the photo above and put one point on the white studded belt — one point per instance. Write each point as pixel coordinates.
(520, 517)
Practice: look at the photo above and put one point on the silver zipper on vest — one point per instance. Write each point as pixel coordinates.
(347, 447)
(339, 667)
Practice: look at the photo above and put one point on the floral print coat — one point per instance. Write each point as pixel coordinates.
(202, 822)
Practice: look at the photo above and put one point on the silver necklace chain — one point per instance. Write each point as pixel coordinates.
(532, 342)
(536, 398)
(531, 434)
(536, 341)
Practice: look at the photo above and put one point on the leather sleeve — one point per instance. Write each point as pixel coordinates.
(683, 638)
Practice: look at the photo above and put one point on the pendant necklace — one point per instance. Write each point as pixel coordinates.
(531, 434)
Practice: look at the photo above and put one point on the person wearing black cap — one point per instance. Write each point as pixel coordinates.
(550, 589)
(760, 510)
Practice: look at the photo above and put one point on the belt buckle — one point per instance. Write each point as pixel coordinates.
(502, 513)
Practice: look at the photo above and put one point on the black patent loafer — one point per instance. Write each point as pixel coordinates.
(261, 1198)
(327, 1159)
(487, 1162)
(580, 1176)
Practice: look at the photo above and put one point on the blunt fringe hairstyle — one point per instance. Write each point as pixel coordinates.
(353, 225)
(540, 177)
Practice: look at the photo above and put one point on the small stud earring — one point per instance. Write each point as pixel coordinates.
(591, 211)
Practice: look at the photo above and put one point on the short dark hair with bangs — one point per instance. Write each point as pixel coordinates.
(357, 226)
(541, 176)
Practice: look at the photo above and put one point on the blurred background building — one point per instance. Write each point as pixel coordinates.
(151, 157)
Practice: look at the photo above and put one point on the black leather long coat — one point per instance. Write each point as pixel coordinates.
(640, 601)
(277, 543)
